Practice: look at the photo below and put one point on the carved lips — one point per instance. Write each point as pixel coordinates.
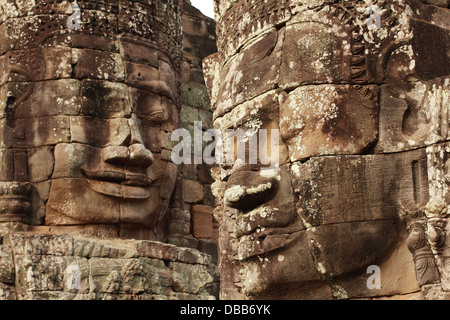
(267, 218)
(116, 184)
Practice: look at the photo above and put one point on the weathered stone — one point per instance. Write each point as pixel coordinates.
(335, 189)
(202, 221)
(84, 247)
(326, 120)
(98, 64)
(413, 115)
(192, 191)
(99, 132)
(189, 114)
(179, 227)
(86, 113)
(69, 157)
(7, 292)
(139, 53)
(192, 256)
(42, 131)
(41, 163)
(40, 244)
(195, 95)
(35, 64)
(41, 273)
(103, 99)
(209, 247)
(183, 241)
(170, 179)
(190, 278)
(129, 276)
(360, 102)
(157, 250)
(6, 265)
(79, 210)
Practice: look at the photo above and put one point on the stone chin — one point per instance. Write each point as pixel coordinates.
(286, 273)
(305, 262)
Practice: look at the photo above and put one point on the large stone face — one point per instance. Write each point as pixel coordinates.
(358, 93)
(85, 107)
(90, 93)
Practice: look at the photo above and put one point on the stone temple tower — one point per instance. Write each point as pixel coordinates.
(90, 93)
(358, 93)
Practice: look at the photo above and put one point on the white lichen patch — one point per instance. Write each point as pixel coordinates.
(234, 194)
(438, 187)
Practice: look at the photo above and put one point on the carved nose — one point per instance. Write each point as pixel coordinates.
(136, 154)
(140, 155)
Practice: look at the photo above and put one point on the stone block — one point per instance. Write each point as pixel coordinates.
(257, 67)
(314, 52)
(99, 132)
(192, 191)
(189, 278)
(395, 279)
(349, 188)
(209, 247)
(189, 114)
(195, 95)
(85, 247)
(40, 164)
(41, 273)
(193, 256)
(6, 163)
(41, 244)
(170, 179)
(132, 276)
(328, 120)
(7, 292)
(6, 265)
(69, 157)
(202, 226)
(183, 241)
(41, 131)
(104, 99)
(143, 77)
(205, 116)
(157, 250)
(103, 65)
(413, 115)
(139, 53)
(179, 227)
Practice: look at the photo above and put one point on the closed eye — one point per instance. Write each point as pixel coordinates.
(154, 118)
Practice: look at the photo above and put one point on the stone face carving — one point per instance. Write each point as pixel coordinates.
(361, 109)
(84, 111)
(90, 92)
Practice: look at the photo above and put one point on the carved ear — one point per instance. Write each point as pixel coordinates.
(211, 72)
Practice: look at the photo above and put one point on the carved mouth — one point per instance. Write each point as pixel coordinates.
(116, 184)
(266, 229)
(264, 241)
